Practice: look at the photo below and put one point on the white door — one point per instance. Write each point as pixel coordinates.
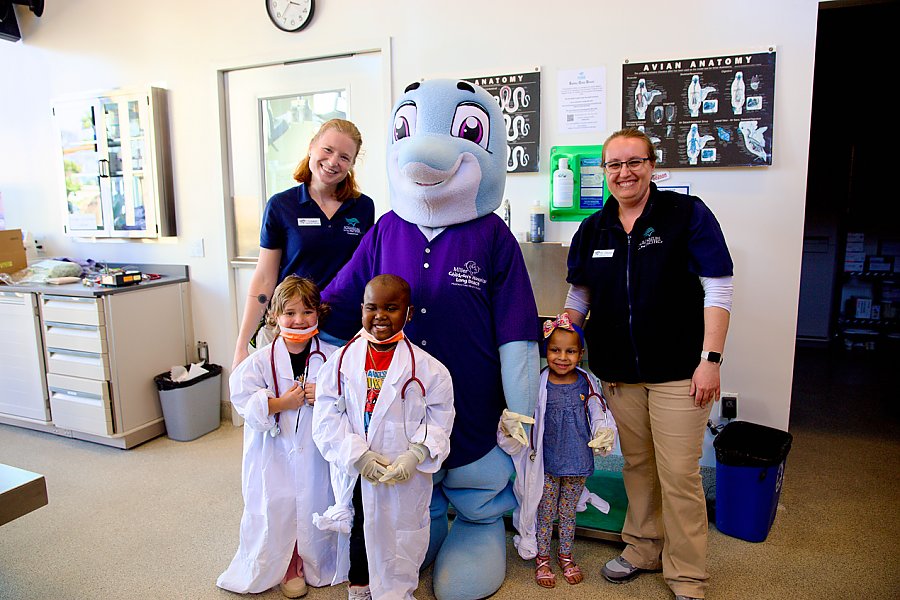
(24, 389)
(272, 113)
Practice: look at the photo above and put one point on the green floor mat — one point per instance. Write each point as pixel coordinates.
(609, 486)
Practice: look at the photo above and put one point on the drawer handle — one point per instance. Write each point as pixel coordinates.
(77, 326)
(81, 353)
(77, 395)
(76, 299)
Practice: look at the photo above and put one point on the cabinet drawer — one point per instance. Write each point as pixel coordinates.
(78, 385)
(69, 309)
(78, 364)
(81, 411)
(65, 336)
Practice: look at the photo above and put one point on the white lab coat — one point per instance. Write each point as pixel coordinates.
(529, 484)
(396, 516)
(284, 480)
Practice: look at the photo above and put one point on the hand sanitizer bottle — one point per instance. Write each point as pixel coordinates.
(563, 185)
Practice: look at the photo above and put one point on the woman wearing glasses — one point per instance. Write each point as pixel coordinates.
(653, 270)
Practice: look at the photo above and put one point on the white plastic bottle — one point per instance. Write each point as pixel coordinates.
(563, 185)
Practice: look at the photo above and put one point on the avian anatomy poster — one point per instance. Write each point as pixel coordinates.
(704, 112)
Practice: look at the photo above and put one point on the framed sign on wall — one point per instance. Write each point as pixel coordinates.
(519, 95)
(704, 112)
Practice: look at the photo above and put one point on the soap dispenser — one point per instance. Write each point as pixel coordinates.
(563, 185)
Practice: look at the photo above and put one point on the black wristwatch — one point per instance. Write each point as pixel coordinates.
(714, 357)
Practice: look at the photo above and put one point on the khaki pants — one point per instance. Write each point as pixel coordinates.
(661, 434)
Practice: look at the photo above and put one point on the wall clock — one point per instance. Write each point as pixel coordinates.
(290, 15)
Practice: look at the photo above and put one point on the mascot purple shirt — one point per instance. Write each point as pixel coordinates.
(475, 311)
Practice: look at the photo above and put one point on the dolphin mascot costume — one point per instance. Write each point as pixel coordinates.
(474, 311)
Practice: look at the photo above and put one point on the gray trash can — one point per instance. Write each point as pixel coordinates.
(190, 408)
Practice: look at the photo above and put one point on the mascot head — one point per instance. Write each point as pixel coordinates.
(446, 153)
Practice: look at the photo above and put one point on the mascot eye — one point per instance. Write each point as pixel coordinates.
(472, 123)
(405, 121)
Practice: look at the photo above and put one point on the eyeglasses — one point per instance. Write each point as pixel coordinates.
(616, 165)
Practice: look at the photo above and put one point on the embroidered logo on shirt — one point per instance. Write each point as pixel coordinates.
(352, 226)
(649, 238)
(467, 276)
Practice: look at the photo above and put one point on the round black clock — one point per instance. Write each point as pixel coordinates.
(290, 15)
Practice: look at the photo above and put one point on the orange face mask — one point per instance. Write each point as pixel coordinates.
(298, 336)
(371, 338)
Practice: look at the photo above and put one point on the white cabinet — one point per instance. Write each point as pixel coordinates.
(102, 354)
(116, 165)
(23, 390)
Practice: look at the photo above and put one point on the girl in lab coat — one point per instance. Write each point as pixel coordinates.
(285, 479)
(571, 424)
(384, 411)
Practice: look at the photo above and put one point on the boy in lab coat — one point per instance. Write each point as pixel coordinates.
(384, 410)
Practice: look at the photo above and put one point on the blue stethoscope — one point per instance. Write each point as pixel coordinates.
(317, 352)
(592, 393)
(410, 381)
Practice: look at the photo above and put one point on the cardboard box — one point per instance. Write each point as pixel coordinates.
(12, 251)
(853, 266)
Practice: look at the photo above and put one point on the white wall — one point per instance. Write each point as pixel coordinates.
(93, 45)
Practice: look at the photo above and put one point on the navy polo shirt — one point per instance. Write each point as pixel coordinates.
(471, 294)
(311, 244)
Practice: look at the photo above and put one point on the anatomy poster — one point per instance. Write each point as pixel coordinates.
(519, 95)
(704, 112)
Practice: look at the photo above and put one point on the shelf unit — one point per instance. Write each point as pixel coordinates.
(869, 297)
(116, 164)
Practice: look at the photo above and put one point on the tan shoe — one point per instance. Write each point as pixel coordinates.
(294, 587)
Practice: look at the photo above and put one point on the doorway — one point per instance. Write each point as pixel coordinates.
(271, 112)
(848, 331)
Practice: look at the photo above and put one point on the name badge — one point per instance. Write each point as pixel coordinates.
(309, 222)
(603, 253)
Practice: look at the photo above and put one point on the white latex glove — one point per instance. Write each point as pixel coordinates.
(603, 441)
(511, 426)
(405, 464)
(371, 466)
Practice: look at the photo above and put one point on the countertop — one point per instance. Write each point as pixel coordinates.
(169, 274)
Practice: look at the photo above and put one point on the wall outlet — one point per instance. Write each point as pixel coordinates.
(728, 405)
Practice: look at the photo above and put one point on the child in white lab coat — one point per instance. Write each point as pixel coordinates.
(571, 424)
(285, 479)
(384, 410)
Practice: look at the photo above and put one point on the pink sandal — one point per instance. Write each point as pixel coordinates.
(543, 573)
(571, 571)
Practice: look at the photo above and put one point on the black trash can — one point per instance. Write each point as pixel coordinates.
(750, 461)
(190, 408)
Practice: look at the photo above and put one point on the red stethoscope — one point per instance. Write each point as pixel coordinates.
(317, 352)
(592, 393)
(411, 380)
